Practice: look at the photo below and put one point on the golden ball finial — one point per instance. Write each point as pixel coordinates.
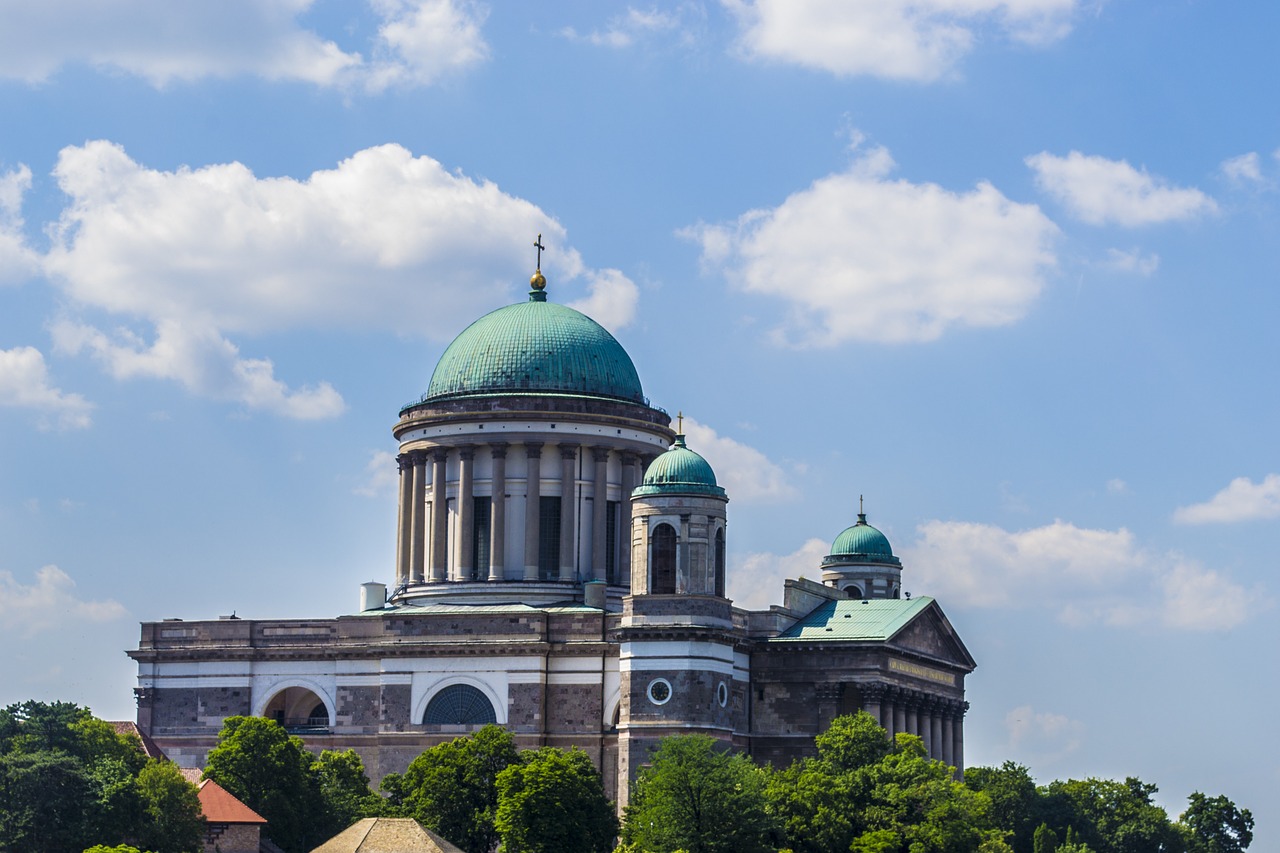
(538, 281)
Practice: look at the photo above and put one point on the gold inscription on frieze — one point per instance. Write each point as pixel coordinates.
(922, 672)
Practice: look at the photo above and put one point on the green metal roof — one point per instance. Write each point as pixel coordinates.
(861, 542)
(875, 619)
(535, 347)
(679, 470)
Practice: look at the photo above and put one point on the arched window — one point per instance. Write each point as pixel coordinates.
(853, 592)
(720, 562)
(459, 705)
(662, 560)
(319, 715)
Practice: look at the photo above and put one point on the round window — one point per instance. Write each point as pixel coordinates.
(722, 694)
(659, 691)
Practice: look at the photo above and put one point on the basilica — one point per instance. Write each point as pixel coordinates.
(560, 572)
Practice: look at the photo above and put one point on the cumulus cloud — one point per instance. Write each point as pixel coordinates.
(1111, 192)
(862, 257)
(1041, 737)
(1241, 500)
(1132, 261)
(755, 582)
(1244, 169)
(611, 299)
(626, 29)
(417, 41)
(17, 260)
(1091, 576)
(48, 603)
(24, 383)
(385, 241)
(382, 475)
(745, 473)
(918, 40)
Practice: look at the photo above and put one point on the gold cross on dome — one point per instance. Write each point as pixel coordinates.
(680, 422)
(538, 245)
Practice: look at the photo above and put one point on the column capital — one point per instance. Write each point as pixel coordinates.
(599, 453)
(467, 452)
(533, 449)
(405, 461)
(419, 457)
(873, 691)
(630, 458)
(498, 449)
(828, 692)
(569, 451)
(439, 454)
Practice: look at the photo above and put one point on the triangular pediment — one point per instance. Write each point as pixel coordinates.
(930, 633)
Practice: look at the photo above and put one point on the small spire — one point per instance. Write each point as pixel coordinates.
(538, 281)
(680, 423)
(862, 516)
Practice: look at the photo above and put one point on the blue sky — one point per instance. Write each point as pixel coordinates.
(1005, 268)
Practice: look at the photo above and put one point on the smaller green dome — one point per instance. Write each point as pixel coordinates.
(861, 542)
(679, 470)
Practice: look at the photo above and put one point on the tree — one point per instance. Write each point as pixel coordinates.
(452, 788)
(1014, 801)
(344, 788)
(257, 761)
(696, 797)
(1215, 825)
(44, 802)
(853, 741)
(554, 802)
(174, 820)
(1044, 840)
(1116, 817)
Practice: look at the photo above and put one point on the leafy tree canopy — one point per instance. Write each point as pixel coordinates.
(1216, 825)
(553, 802)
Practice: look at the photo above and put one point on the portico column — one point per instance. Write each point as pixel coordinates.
(926, 724)
(887, 710)
(439, 517)
(568, 482)
(466, 515)
(913, 719)
(418, 540)
(939, 745)
(871, 694)
(405, 523)
(623, 575)
(957, 743)
(948, 735)
(599, 512)
(899, 712)
(498, 514)
(532, 509)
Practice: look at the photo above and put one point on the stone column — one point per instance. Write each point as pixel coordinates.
(418, 540)
(948, 735)
(828, 699)
(599, 512)
(439, 517)
(887, 711)
(404, 526)
(466, 515)
(871, 695)
(899, 712)
(498, 514)
(957, 744)
(532, 509)
(623, 575)
(913, 718)
(568, 483)
(935, 732)
(926, 724)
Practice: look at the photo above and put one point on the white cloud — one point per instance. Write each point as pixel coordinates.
(626, 29)
(755, 581)
(165, 42)
(899, 39)
(744, 472)
(1244, 169)
(382, 475)
(202, 361)
(1241, 500)
(17, 260)
(1041, 737)
(1116, 486)
(1101, 191)
(862, 257)
(24, 383)
(48, 603)
(1090, 576)
(612, 299)
(1132, 261)
(384, 241)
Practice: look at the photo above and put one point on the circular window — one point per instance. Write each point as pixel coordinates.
(659, 691)
(722, 694)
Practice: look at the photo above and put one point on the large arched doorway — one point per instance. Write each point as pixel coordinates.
(299, 710)
(662, 560)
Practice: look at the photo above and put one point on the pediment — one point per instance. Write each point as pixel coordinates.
(931, 634)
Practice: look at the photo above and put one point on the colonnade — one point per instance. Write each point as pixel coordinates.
(937, 720)
(423, 544)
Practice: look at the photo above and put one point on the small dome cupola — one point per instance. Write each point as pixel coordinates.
(679, 471)
(862, 563)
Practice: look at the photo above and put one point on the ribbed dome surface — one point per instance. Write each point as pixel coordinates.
(679, 469)
(862, 538)
(535, 347)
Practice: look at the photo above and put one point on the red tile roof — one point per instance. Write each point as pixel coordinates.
(217, 803)
(129, 727)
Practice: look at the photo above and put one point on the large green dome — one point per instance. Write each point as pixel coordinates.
(535, 347)
(679, 470)
(861, 542)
